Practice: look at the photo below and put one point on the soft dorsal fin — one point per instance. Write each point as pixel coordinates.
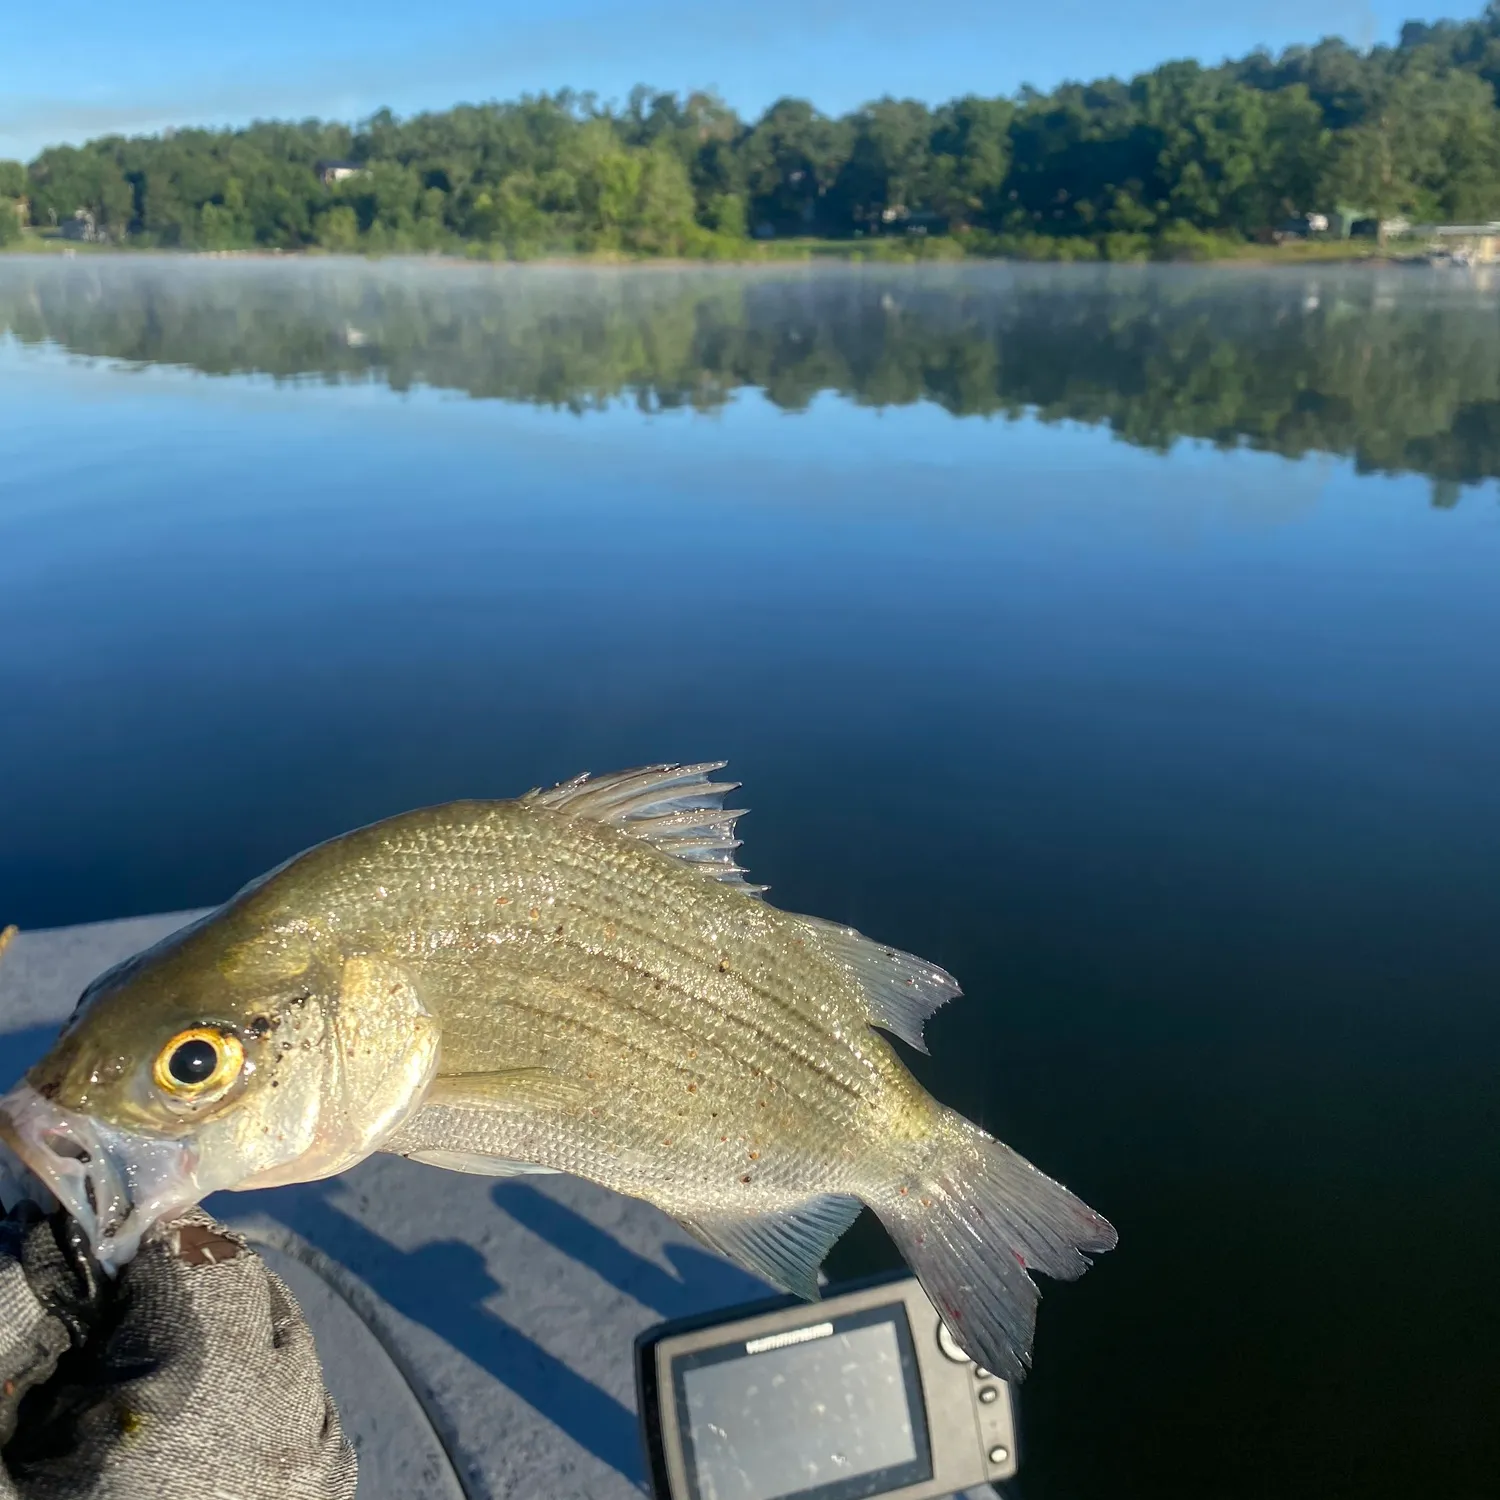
(677, 809)
(785, 1249)
(901, 990)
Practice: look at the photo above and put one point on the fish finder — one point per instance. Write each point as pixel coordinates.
(862, 1394)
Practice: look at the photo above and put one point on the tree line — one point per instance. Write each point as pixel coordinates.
(1182, 159)
(1394, 371)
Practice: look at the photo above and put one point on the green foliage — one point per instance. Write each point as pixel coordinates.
(725, 214)
(1181, 240)
(337, 229)
(661, 218)
(1183, 160)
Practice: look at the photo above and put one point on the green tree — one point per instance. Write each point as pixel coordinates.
(791, 159)
(608, 178)
(68, 179)
(1296, 159)
(663, 216)
(337, 228)
(1425, 144)
(971, 159)
(725, 214)
(888, 174)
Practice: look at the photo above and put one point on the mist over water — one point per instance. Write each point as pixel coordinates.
(1127, 641)
(1392, 367)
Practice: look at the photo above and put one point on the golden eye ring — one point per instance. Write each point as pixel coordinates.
(198, 1062)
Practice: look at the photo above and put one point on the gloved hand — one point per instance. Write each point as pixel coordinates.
(191, 1377)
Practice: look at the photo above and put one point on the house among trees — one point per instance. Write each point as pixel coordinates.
(330, 172)
(1473, 243)
(81, 225)
(1303, 226)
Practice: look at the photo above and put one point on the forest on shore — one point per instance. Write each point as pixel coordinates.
(1183, 161)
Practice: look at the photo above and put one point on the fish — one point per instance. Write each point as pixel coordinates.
(577, 980)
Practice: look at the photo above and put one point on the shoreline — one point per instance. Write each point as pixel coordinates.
(832, 253)
(786, 252)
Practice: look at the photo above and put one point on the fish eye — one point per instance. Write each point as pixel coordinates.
(198, 1062)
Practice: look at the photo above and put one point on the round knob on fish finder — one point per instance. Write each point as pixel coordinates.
(988, 1393)
(999, 1455)
(949, 1347)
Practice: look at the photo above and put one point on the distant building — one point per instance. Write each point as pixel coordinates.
(1473, 243)
(1301, 227)
(1369, 227)
(330, 172)
(82, 225)
(898, 219)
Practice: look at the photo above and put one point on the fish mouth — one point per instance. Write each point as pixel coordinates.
(115, 1183)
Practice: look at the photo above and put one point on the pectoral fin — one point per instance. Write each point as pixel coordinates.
(475, 1163)
(511, 1089)
(467, 1120)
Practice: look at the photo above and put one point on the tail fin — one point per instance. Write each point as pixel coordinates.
(972, 1223)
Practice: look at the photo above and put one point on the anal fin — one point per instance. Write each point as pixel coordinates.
(785, 1249)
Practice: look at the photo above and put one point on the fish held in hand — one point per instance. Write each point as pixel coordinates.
(578, 980)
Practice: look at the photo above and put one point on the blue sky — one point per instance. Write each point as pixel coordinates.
(70, 69)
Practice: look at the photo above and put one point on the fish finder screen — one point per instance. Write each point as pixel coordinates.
(832, 1411)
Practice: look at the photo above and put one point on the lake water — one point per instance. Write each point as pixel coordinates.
(1126, 641)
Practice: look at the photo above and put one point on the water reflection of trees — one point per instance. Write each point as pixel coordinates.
(1397, 369)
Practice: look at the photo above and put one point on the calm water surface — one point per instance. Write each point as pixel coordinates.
(1127, 642)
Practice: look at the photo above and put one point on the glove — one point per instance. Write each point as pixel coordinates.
(191, 1377)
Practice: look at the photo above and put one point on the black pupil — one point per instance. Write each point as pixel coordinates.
(193, 1061)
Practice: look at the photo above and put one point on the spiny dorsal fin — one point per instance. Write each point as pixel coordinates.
(677, 809)
(901, 990)
(785, 1249)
